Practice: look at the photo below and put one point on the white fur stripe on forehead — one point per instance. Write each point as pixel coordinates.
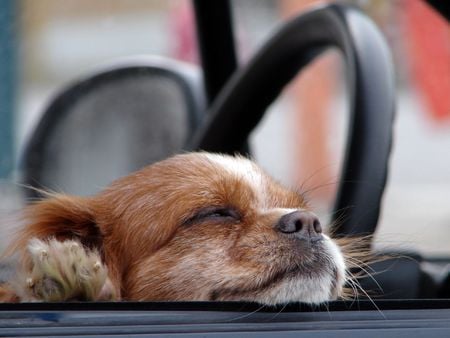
(237, 165)
(285, 211)
(242, 168)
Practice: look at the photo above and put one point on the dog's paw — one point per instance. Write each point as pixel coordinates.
(65, 271)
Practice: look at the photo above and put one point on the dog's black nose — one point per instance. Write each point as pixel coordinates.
(304, 224)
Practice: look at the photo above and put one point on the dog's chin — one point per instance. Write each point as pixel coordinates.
(316, 284)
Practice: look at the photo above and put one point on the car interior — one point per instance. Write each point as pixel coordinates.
(179, 107)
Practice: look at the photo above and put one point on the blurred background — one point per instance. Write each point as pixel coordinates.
(46, 44)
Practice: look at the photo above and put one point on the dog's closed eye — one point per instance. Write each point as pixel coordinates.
(214, 213)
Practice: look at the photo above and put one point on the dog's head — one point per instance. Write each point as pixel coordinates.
(200, 227)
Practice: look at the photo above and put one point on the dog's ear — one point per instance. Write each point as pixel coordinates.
(61, 217)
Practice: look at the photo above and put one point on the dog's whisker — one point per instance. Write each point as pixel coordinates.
(314, 174)
(355, 292)
(278, 313)
(370, 299)
(317, 187)
(245, 315)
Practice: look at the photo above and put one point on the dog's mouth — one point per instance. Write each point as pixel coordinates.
(243, 292)
(289, 280)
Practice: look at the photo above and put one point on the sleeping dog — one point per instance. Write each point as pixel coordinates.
(196, 226)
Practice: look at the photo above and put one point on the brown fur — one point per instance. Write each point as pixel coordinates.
(146, 229)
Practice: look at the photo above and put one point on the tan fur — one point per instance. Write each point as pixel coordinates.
(63, 271)
(145, 232)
